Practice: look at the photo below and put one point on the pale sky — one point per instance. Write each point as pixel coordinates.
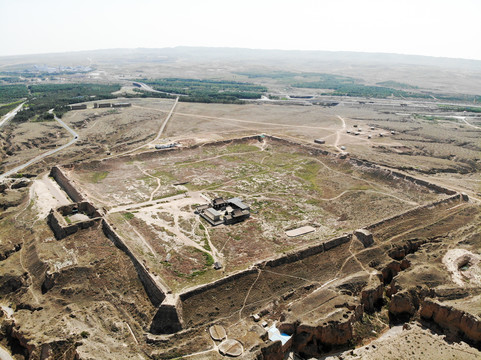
(449, 28)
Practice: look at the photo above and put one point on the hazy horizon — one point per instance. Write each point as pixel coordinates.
(427, 28)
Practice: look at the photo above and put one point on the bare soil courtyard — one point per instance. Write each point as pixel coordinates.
(151, 199)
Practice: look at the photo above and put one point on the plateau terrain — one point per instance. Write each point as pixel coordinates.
(204, 203)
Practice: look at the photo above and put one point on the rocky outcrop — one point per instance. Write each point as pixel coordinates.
(399, 251)
(402, 304)
(311, 341)
(372, 296)
(271, 351)
(454, 320)
(11, 283)
(49, 281)
(58, 349)
(5, 253)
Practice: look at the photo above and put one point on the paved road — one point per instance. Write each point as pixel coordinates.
(151, 89)
(11, 114)
(48, 153)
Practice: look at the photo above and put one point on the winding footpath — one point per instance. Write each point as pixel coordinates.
(44, 155)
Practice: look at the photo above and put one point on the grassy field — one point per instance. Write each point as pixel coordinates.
(285, 186)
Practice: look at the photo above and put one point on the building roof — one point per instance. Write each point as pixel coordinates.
(237, 213)
(238, 203)
(218, 201)
(213, 212)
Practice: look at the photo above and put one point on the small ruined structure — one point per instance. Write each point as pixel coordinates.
(364, 236)
(166, 146)
(69, 219)
(226, 212)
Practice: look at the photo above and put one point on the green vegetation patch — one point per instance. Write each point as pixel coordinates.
(5, 109)
(98, 176)
(347, 86)
(57, 96)
(10, 93)
(128, 215)
(208, 91)
(395, 84)
(455, 108)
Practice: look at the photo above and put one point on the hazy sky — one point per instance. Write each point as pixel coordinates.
(450, 28)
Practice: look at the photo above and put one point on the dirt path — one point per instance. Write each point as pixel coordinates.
(259, 272)
(153, 177)
(48, 153)
(159, 134)
(397, 236)
(463, 119)
(338, 133)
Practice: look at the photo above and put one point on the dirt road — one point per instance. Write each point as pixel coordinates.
(159, 134)
(42, 156)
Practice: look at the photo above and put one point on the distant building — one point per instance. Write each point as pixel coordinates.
(320, 141)
(78, 107)
(105, 105)
(123, 104)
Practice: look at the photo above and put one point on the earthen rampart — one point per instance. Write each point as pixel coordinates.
(152, 288)
(412, 211)
(66, 184)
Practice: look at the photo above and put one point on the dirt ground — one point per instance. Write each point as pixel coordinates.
(416, 342)
(285, 188)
